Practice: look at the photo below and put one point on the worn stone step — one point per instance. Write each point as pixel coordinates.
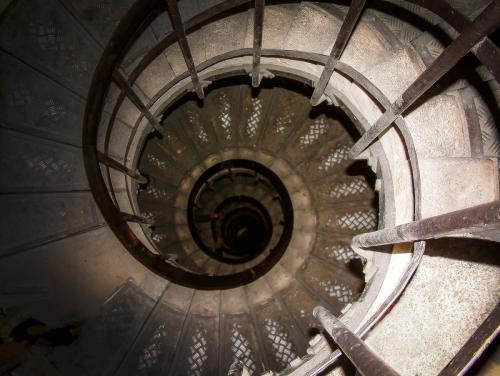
(457, 183)
(408, 65)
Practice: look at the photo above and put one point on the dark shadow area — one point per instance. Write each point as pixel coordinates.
(276, 82)
(488, 362)
(472, 250)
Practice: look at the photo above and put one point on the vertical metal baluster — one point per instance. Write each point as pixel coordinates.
(180, 31)
(104, 159)
(257, 41)
(134, 98)
(364, 359)
(343, 37)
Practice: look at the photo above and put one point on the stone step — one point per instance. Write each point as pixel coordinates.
(106, 338)
(313, 30)
(257, 107)
(197, 350)
(312, 134)
(154, 348)
(290, 110)
(332, 158)
(457, 183)
(439, 128)
(224, 35)
(194, 122)
(164, 234)
(408, 65)
(277, 23)
(336, 190)
(177, 144)
(223, 110)
(157, 163)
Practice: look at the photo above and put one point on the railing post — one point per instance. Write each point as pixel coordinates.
(136, 219)
(466, 222)
(364, 359)
(104, 159)
(180, 31)
(134, 98)
(343, 37)
(482, 339)
(258, 24)
(472, 37)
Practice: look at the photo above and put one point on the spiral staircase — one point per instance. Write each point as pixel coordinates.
(168, 180)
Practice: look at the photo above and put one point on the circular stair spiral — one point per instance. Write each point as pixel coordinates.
(191, 233)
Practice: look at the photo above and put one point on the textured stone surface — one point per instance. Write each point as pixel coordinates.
(101, 17)
(33, 164)
(105, 339)
(277, 23)
(215, 35)
(155, 76)
(312, 24)
(408, 65)
(438, 128)
(456, 183)
(44, 34)
(51, 216)
(453, 291)
(38, 105)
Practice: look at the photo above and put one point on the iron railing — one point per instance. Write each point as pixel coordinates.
(473, 38)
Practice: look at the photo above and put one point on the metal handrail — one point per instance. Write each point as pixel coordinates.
(136, 20)
(366, 361)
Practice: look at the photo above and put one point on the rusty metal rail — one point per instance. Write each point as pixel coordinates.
(175, 17)
(487, 52)
(257, 42)
(134, 98)
(367, 363)
(110, 162)
(464, 222)
(343, 37)
(475, 346)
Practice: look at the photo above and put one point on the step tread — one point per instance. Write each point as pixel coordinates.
(457, 183)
